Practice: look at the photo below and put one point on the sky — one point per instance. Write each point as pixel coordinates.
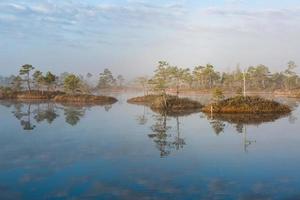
(131, 36)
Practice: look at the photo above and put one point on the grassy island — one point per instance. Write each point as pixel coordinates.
(26, 95)
(84, 98)
(57, 96)
(171, 105)
(248, 104)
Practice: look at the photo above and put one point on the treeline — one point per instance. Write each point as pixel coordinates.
(29, 79)
(166, 77)
(254, 78)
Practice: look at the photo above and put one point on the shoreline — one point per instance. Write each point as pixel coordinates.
(58, 97)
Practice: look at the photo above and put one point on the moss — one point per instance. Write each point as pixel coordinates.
(248, 104)
(173, 106)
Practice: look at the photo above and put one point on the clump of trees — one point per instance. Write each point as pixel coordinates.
(218, 94)
(29, 79)
(108, 81)
(166, 78)
(48, 81)
(25, 72)
(254, 78)
(72, 83)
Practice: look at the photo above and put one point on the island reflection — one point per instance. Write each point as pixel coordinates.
(241, 121)
(30, 114)
(167, 137)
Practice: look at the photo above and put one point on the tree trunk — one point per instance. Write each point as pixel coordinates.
(28, 82)
(177, 90)
(165, 100)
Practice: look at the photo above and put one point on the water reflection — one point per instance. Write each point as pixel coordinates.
(31, 113)
(24, 116)
(164, 136)
(142, 118)
(160, 135)
(246, 141)
(46, 113)
(241, 121)
(73, 114)
(203, 158)
(217, 125)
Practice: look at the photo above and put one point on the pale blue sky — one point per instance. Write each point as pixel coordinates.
(130, 36)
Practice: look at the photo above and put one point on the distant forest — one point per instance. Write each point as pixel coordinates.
(166, 77)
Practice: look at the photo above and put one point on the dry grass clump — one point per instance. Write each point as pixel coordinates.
(175, 103)
(248, 104)
(172, 105)
(81, 98)
(143, 100)
(38, 95)
(26, 95)
(57, 96)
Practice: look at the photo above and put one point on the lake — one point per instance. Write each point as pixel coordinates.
(124, 151)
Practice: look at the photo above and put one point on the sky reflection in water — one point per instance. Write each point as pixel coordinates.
(123, 151)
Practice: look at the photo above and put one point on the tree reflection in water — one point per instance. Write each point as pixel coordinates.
(217, 125)
(179, 142)
(142, 119)
(24, 116)
(45, 113)
(165, 139)
(26, 112)
(240, 122)
(107, 107)
(37, 112)
(73, 114)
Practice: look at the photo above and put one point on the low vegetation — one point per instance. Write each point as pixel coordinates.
(204, 79)
(56, 96)
(69, 88)
(247, 104)
(78, 98)
(170, 105)
(7, 93)
(294, 93)
(143, 100)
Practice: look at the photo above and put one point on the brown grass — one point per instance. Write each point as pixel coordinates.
(57, 96)
(144, 100)
(33, 95)
(248, 104)
(174, 106)
(79, 98)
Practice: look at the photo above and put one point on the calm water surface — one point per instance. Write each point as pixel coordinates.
(123, 151)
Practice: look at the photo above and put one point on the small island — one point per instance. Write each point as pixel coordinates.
(85, 98)
(58, 96)
(71, 89)
(246, 104)
(170, 105)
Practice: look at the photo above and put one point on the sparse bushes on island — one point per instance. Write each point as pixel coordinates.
(171, 105)
(77, 98)
(70, 88)
(247, 104)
